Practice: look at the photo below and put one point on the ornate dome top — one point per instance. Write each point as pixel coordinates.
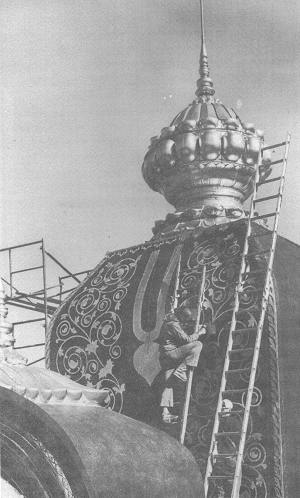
(214, 114)
(206, 160)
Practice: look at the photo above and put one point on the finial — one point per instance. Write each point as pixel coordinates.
(7, 340)
(204, 83)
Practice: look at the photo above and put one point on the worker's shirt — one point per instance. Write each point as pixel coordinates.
(172, 335)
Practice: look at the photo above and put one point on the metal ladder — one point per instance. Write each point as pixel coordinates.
(233, 479)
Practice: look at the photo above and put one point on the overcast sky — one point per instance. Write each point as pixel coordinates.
(86, 83)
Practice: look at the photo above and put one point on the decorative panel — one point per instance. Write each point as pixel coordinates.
(104, 335)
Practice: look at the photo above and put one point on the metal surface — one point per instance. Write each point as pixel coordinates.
(204, 162)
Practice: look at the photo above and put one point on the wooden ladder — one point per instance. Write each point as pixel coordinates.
(213, 478)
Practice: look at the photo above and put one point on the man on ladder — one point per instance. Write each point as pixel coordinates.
(180, 349)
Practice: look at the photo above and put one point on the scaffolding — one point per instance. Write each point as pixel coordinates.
(44, 301)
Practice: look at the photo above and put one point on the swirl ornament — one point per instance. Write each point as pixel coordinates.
(88, 331)
(104, 304)
(86, 301)
(222, 255)
(106, 329)
(104, 336)
(203, 255)
(116, 275)
(255, 454)
(74, 359)
(64, 329)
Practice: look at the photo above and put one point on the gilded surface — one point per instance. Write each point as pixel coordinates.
(104, 336)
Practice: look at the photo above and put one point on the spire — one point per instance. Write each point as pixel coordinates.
(204, 83)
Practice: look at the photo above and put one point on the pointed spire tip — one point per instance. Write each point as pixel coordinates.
(204, 84)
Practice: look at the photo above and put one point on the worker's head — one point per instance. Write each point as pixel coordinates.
(227, 406)
(184, 314)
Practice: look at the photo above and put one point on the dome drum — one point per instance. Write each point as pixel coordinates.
(218, 195)
(208, 160)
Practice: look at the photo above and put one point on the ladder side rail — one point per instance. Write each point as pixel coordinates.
(239, 462)
(247, 408)
(174, 304)
(185, 411)
(240, 456)
(278, 209)
(213, 449)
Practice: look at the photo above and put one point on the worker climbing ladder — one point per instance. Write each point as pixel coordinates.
(231, 481)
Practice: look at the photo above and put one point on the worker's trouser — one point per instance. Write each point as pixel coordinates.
(175, 363)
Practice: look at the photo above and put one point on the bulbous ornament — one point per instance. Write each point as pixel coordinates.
(206, 157)
(186, 147)
(211, 145)
(233, 145)
(164, 152)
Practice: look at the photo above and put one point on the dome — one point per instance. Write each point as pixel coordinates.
(214, 110)
(205, 163)
(206, 146)
(43, 386)
(207, 158)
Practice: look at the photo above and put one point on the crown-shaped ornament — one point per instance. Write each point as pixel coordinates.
(205, 162)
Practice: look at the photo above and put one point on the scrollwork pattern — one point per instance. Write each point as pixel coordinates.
(221, 253)
(87, 333)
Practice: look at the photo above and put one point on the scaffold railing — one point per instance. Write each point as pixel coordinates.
(42, 301)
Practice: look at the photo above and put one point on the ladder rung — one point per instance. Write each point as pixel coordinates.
(261, 216)
(269, 197)
(233, 364)
(230, 478)
(220, 456)
(275, 162)
(234, 391)
(248, 329)
(232, 412)
(237, 370)
(241, 350)
(262, 234)
(258, 253)
(269, 147)
(253, 272)
(227, 434)
(270, 180)
(253, 291)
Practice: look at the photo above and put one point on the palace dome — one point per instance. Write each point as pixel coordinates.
(206, 160)
(205, 148)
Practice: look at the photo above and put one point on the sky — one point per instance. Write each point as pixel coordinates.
(84, 84)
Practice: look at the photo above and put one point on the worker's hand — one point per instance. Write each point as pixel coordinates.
(201, 330)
